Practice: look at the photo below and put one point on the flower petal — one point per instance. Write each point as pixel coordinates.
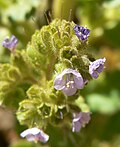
(96, 67)
(80, 120)
(59, 83)
(10, 43)
(95, 74)
(69, 91)
(42, 137)
(32, 131)
(35, 134)
(79, 83)
(81, 32)
(100, 68)
(77, 116)
(85, 118)
(76, 126)
(30, 137)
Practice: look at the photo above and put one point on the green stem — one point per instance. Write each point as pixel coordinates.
(62, 9)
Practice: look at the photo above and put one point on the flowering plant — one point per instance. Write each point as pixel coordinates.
(43, 82)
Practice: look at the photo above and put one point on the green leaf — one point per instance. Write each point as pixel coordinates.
(104, 103)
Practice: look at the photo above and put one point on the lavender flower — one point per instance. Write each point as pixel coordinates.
(80, 120)
(10, 43)
(69, 81)
(35, 134)
(96, 67)
(81, 32)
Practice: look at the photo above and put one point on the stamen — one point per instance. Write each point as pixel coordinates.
(69, 83)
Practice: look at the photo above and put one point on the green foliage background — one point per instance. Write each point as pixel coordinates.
(22, 18)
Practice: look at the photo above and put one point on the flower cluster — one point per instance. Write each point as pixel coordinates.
(70, 80)
(72, 74)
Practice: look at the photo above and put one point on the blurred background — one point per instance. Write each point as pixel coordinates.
(102, 17)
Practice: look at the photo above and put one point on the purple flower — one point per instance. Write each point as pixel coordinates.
(96, 67)
(35, 134)
(69, 81)
(80, 120)
(10, 43)
(81, 32)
